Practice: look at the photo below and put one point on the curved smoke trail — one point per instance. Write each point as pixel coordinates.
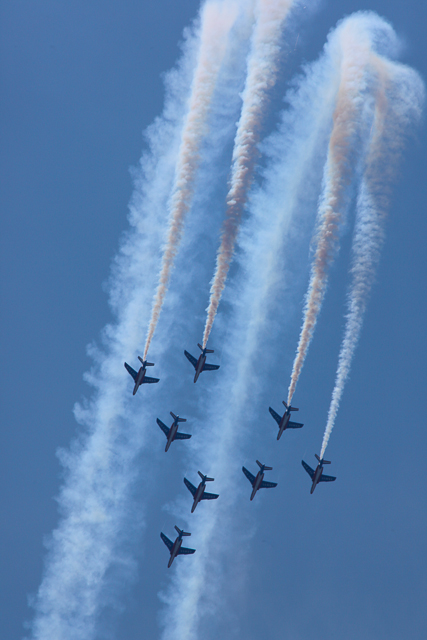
(93, 544)
(356, 42)
(217, 18)
(261, 76)
(398, 105)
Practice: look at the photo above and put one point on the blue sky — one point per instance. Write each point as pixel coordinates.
(81, 81)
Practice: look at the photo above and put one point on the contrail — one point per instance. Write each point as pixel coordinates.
(261, 76)
(339, 173)
(195, 600)
(398, 105)
(92, 547)
(217, 19)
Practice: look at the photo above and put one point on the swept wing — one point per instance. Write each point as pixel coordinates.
(182, 436)
(209, 496)
(324, 478)
(309, 470)
(267, 485)
(166, 540)
(185, 551)
(294, 425)
(191, 358)
(190, 486)
(150, 380)
(249, 475)
(132, 372)
(210, 367)
(275, 415)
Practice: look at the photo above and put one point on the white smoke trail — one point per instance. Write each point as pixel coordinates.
(217, 19)
(398, 106)
(261, 76)
(197, 600)
(356, 35)
(93, 543)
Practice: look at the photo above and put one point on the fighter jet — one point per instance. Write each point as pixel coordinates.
(140, 377)
(200, 493)
(175, 548)
(172, 433)
(317, 476)
(258, 482)
(284, 421)
(201, 364)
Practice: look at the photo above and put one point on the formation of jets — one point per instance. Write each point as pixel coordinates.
(199, 493)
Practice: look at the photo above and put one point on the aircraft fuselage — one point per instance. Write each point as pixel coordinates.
(198, 495)
(256, 485)
(139, 379)
(174, 551)
(172, 434)
(284, 423)
(199, 367)
(316, 477)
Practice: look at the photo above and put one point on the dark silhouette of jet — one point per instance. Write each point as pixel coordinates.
(201, 364)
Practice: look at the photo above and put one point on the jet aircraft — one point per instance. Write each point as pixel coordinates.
(140, 377)
(317, 476)
(201, 364)
(175, 548)
(284, 421)
(173, 433)
(258, 482)
(200, 493)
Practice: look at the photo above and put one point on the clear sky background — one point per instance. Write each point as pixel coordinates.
(80, 81)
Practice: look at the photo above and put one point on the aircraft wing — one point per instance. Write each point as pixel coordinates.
(190, 486)
(209, 496)
(182, 436)
(163, 427)
(294, 425)
(191, 358)
(132, 372)
(249, 475)
(185, 551)
(210, 367)
(275, 415)
(148, 379)
(267, 485)
(324, 478)
(309, 470)
(166, 540)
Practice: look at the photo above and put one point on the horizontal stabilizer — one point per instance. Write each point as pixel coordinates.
(265, 466)
(182, 532)
(324, 461)
(205, 478)
(205, 350)
(177, 418)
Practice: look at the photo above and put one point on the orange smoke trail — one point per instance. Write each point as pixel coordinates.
(216, 21)
(389, 129)
(261, 76)
(346, 123)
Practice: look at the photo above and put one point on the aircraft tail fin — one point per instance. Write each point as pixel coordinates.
(324, 461)
(206, 350)
(263, 465)
(205, 478)
(177, 417)
(182, 532)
